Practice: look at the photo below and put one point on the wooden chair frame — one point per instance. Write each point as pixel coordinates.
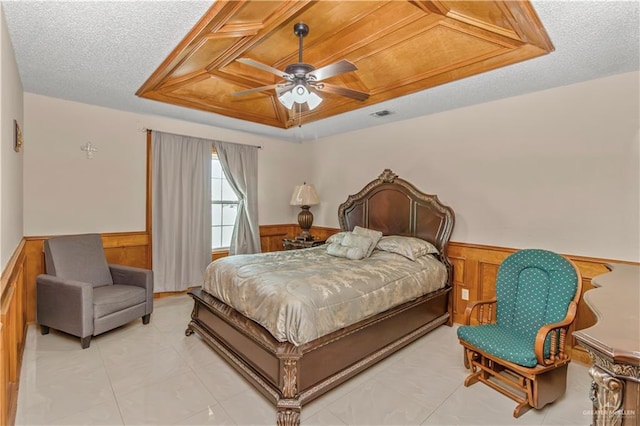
(528, 386)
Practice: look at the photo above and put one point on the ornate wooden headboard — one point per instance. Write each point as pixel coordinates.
(395, 207)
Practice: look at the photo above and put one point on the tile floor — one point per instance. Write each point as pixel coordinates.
(156, 375)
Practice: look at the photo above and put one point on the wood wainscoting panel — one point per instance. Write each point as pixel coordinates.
(459, 304)
(4, 374)
(13, 327)
(487, 272)
(8, 354)
(271, 236)
(130, 248)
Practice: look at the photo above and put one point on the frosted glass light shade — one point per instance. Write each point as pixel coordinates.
(299, 94)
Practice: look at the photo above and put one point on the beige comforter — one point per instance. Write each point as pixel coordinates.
(300, 295)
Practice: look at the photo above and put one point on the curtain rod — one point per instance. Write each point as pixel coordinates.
(145, 129)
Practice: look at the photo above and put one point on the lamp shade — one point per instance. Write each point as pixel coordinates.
(304, 195)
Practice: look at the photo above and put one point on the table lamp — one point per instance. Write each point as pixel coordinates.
(305, 196)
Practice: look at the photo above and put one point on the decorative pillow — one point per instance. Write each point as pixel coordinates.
(360, 241)
(336, 238)
(374, 235)
(409, 247)
(338, 250)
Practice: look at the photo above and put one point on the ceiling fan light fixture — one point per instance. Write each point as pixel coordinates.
(313, 100)
(299, 94)
(286, 99)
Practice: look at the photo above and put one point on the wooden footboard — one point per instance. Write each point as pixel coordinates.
(291, 376)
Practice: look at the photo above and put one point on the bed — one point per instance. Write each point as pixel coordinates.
(291, 375)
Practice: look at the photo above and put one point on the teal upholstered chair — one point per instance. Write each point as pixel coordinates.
(515, 343)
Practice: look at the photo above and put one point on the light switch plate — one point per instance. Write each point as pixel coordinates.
(465, 294)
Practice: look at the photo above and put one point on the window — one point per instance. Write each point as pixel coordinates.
(224, 207)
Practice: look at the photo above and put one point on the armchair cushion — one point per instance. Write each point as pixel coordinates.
(534, 287)
(501, 343)
(79, 258)
(114, 298)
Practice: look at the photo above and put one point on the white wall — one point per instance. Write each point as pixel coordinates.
(557, 169)
(11, 162)
(67, 193)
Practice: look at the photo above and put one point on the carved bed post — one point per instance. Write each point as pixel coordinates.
(289, 406)
(288, 415)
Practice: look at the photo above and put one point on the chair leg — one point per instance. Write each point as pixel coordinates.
(521, 408)
(474, 377)
(85, 342)
(44, 329)
(146, 319)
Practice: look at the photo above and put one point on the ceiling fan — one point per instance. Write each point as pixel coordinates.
(302, 82)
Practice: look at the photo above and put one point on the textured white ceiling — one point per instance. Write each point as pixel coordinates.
(100, 53)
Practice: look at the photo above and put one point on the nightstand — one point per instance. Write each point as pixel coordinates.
(294, 244)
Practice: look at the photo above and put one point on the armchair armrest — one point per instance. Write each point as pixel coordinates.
(485, 315)
(559, 333)
(129, 275)
(65, 305)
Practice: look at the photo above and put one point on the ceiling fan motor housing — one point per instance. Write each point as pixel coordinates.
(299, 70)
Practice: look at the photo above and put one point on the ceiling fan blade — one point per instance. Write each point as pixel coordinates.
(264, 67)
(343, 91)
(283, 87)
(331, 70)
(255, 90)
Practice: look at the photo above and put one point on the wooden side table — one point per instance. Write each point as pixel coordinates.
(294, 244)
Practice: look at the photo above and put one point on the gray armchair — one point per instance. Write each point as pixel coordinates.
(82, 295)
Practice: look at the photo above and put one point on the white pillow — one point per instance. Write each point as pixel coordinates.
(374, 235)
(409, 247)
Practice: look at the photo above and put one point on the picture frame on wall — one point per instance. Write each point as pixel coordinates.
(17, 136)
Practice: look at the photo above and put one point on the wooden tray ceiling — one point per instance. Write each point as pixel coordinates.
(399, 47)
